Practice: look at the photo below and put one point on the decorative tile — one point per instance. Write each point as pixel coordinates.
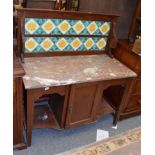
(53, 44)
(44, 26)
(31, 26)
(62, 43)
(92, 27)
(78, 27)
(101, 43)
(48, 26)
(31, 44)
(76, 43)
(89, 43)
(64, 26)
(46, 44)
(105, 28)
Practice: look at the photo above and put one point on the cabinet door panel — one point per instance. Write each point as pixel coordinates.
(137, 87)
(134, 103)
(81, 103)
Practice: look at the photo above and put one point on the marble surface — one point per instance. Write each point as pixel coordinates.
(63, 70)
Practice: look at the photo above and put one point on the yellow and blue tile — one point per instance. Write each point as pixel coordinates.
(70, 27)
(51, 44)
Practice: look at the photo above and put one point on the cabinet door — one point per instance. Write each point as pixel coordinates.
(82, 104)
(134, 103)
(137, 87)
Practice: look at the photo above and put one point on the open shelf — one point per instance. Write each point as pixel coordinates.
(104, 108)
(113, 95)
(44, 117)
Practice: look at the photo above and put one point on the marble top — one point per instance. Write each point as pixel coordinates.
(44, 72)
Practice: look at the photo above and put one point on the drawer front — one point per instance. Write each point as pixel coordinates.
(134, 103)
(137, 87)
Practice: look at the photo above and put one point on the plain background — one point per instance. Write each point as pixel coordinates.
(6, 77)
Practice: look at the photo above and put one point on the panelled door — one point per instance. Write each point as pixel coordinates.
(82, 104)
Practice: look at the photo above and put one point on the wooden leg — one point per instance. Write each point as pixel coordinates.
(116, 119)
(30, 109)
(124, 100)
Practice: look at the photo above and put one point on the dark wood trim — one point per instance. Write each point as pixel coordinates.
(18, 70)
(48, 54)
(124, 54)
(129, 114)
(19, 37)
(124, 100)
(45, 13)
(112, 40)
(128, 47)
(18, 128)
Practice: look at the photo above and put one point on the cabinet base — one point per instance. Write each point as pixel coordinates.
(129, 114)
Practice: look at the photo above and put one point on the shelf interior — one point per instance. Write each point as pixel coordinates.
(44, 117)
(104, 109)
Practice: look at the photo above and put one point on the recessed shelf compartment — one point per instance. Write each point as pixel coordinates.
(44, 117)
(113, 95)
(48, 111)
(104, 109)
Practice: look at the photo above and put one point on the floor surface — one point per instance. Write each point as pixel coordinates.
(50, 142)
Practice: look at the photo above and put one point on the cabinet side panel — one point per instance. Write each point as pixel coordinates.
(15, 129)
